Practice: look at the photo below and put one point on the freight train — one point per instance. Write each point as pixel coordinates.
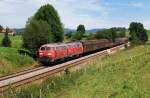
(52, 52)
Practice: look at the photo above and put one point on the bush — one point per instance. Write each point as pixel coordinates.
(137, 33)
(76, 36)
(6, 42)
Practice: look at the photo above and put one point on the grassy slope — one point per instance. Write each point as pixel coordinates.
(10, 60)
(122, 75)
(16, 41)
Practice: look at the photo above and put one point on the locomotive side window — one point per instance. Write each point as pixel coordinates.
(57, 48)
(48, 48)
(42, 48)
(64, 47)
(52, 48)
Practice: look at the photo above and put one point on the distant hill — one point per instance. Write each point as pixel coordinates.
(19, 30)
(67, 30)
(93, 30)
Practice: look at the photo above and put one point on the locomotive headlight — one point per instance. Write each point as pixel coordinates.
(49, 54)
(41, 53)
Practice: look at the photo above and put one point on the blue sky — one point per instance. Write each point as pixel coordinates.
(91, 13)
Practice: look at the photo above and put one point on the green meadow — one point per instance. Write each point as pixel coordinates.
(10, 59)
(125, 74)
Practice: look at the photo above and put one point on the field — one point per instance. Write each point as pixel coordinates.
(122, 75)
(125, 74)
(16, 41)
(10, 59)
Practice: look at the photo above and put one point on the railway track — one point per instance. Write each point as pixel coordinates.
(28, 76)
(21, 72)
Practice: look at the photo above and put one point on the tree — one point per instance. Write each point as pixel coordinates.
(90, 36)
(113, 34)
(120, 32)
(69, 35)
(6, 42)
(36, 34)
(103, 34)
(109, 34)
(138, 33)
(49, 14)
(81, 29)
(76, 36)
(1, 28)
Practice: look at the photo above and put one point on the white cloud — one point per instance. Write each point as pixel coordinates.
(131, 4)
(136, 5)
(91, 13)
(75, 12)
(72, 12)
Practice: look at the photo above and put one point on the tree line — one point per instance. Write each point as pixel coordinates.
(137, 33)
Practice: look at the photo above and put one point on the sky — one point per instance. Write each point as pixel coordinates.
(91, 13)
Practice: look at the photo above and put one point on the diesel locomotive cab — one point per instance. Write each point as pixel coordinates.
(46, 54)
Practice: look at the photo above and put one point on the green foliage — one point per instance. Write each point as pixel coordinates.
(79, 34)
(120, 32)
(81, 29)
(108, 77)
(36, 34)
(6, 42)
(69, 35)
(113, 34)
(76, 36)
(110, 34)
(90, 36)
(106, 34)
(16, 41)
(103, 34)
(137, 33)
(11, 61)
(49, 14)
(1, 28)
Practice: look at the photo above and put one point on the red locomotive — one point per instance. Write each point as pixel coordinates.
(49, 53)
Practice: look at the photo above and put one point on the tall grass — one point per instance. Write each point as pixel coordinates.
(10, 59)
(122, 75)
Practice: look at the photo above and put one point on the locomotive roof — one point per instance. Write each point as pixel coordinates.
(55, 44)
(60, 44)
(96, 40)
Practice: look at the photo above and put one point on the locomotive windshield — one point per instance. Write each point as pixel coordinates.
(42, 48)
(45, 48)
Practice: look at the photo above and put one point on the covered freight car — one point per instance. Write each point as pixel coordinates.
(121, 40)
(93, 45)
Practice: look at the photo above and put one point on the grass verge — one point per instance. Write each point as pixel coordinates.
(122, 75)
(10, 60)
